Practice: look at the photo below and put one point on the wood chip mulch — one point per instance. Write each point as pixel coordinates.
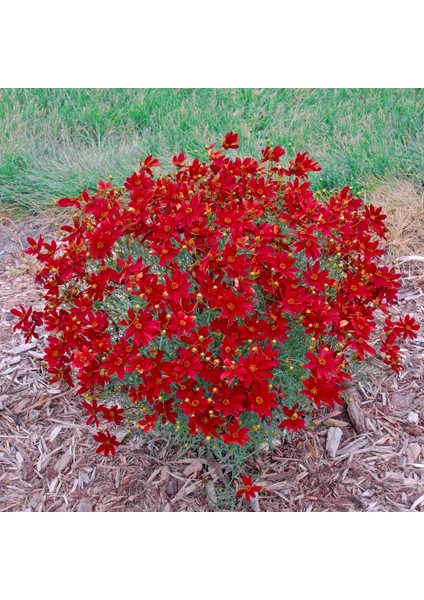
(366, 457)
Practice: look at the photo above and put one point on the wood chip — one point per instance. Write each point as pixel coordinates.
(194, 467)
(401, 401)
(414, 431)
(395, 476)
(335, 423)
(254, 503)
(171, 487)
(356, 414)
(414, 451)
(211, 493)
(217, 469)
(334, 437)
(85, 506)
(314, 452)
(63, 461)
(417, 502)
(22, 348)
(186, 490)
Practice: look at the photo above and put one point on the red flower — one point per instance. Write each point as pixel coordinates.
(27, 320)
(317, 278)
(180, 323)
(187, 365)
(103, 185)
(93, 410)
(148, 422)
(82, 358)
(230, 141)
(142, 326)
(102, 240)
(35, 247)
(275, 154)
(322, 392)
(257, 366)
(301, 165)
(325, 365)
(262, 400)
(165, 250)
(206, 423)
(193, 402)
(230, 401)
(177, 286)
(236, 435)
(248, 490)
(113, 414)
(361, 346)
(178, 160)
(54, 354)
(163, 408)
(107, 443)
(233, 305)
(376, 218)
(149, 163)
(409, 327)
(294, 420)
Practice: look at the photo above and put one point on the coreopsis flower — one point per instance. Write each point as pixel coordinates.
(93, 410)
(113, 414)
(325, 365)
(141, 326)
(34, 246)
(361, 346)
(149, 163)
(83, 357)
(102, 240)
(273, 154)
(148, 422)
(230, 141)
(248, 490)
(28, 320)
(262, 400)
(179, 159)
(107, 443)
(376, 218)
(230, 401)
(206, 423)
(258, 365)
(408, 327)
(294, 418)
(164, 410)
(302, 165)
(320, 391)
(236, 435)
(235, 305)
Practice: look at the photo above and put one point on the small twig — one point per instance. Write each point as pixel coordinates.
(403, 259)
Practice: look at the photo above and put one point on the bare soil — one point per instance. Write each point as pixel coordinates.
(368, 457)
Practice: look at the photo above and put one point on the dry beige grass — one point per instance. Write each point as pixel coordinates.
(404, 205)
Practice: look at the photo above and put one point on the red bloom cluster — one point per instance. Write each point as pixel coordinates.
(183, 288)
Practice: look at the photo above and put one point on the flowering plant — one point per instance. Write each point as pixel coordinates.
(185, 292)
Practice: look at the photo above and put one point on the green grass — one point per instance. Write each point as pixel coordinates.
(54, 142)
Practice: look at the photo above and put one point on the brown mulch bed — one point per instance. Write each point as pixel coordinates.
(368, 457)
